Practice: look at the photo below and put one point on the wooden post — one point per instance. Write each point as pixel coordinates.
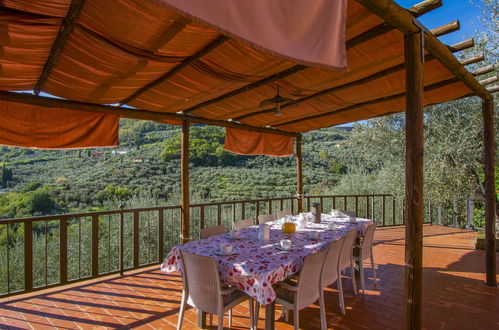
(185, 181)
(28, 255)
(489, 150)
(299, 175)
(414, 180)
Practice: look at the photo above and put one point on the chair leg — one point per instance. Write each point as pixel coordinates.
(361, 270)
(322, 311)
(230, 317)
(182, 310)
(252, 314)
(220, 320)
(352, 274)
(340, 295)
(286, 314)
(296, 318)
(257, 311)
(373, 266)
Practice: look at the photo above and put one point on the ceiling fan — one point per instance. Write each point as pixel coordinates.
(277, 101)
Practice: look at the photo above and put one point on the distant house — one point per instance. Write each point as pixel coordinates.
(138, 160)
(119, 152)
(97, 154)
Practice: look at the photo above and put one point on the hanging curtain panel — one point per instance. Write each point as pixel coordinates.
(35, 126)
(255, 143)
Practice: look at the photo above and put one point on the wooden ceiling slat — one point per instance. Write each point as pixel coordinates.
(67, 26)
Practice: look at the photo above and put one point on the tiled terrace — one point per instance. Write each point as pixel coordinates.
(454, 295)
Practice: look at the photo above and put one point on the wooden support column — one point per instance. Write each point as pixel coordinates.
(299, 175)
(414, 181)
(490, 191)
(185, 181)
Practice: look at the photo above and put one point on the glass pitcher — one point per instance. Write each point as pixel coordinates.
(288, 226)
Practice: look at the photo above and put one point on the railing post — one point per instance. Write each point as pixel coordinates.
(95, 245)
(243, 211)
(383, 210)
(270, 206)
(122, 243)
(136, 236)
(63, 250)
(161, 243)
(184, 172)
(28, 255)
(393, 211)
(219, 214)
(356, 205)
(299, 175)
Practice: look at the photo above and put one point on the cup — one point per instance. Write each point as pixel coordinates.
(286, 244)
(331, 226)
(225, 248)
(313, 234)
(234, 234)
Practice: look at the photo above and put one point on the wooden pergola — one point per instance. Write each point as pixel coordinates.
(180, 71)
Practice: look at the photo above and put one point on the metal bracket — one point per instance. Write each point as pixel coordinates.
(423, 30)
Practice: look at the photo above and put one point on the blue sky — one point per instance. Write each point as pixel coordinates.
(451, 10)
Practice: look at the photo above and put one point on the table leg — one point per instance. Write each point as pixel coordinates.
(201, 319)
(270, 316)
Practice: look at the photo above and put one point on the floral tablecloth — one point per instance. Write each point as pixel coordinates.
(255, 265)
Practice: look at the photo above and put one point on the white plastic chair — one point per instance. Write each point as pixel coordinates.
(283, 213)
(203, 290)
(365, 251)
(212, 231)
(263, 218)
(237, 225)
(346, 261)
(306, 291)
(330, 271)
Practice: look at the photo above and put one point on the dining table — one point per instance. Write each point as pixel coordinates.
(255, 265)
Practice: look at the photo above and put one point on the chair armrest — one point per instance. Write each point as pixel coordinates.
(358, 246)
(228, 290)
(287, 286)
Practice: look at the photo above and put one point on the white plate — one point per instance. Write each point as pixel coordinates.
(225, 254)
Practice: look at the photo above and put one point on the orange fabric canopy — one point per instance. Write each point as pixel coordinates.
(26, 125)
(255, 143)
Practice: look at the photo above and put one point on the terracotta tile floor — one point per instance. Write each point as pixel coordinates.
(454, 295)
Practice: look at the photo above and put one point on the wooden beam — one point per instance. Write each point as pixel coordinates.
(472, 59)
(299, 175)
(131, 112)
(210, 47)
(67, 26)
(424, 7)
(446, 29)
(465, 44)
(184, 172)
(364, 80)
(404, 21)
(489, 80)
(482, 70)
(413, 280)
(489, 150)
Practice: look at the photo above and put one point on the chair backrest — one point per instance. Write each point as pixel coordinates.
(212, 231)
(309, 285)
(263, 218)
(367, 241)
(330, 269)
(347, 250)
(347, 213)
(283, 213)
(201, 281)
(242, 224)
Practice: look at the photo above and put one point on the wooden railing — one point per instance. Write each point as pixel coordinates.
(47, 251)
